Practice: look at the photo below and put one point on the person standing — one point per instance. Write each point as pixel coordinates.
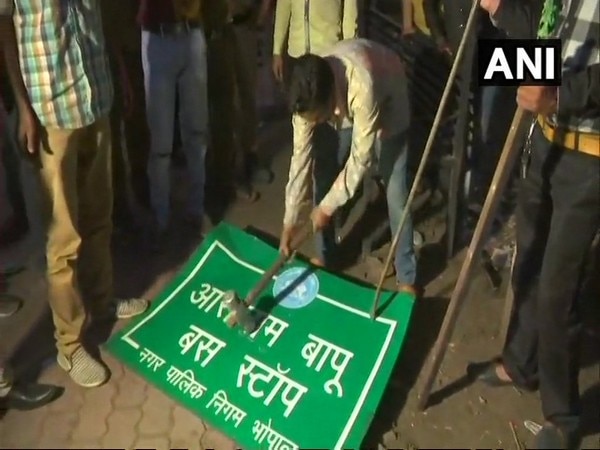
(24, 396)
(130, 140)
(246, 17)
(558, 214)
(358, 91)
(174, 62)
(229, 26)
(310, 26)
(63, 106)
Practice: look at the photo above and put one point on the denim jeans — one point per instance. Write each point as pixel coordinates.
(391, 155)
(176, 65)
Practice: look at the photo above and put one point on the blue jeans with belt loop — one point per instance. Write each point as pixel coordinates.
(391, 155)
(176, 65)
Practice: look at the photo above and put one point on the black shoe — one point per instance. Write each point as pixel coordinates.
(9, 305)
(30, 396)
(553, 437)
(486, 373)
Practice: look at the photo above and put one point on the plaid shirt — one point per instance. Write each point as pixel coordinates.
(372, 99)
(578, 27)
(63, 60)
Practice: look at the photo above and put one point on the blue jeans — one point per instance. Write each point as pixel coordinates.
(391, 154)
(176, 65)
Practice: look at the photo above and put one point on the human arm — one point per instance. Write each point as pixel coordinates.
(365, 110)
(518, 18)
(300, 173)
(28, 130)
(115, 24)
(579, 93)
(408, 26)
(433, 18)
(350, 19)
(299, 181)
(577, 96)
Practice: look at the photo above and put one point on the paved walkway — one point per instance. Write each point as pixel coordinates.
(124, 413)
(128, 413)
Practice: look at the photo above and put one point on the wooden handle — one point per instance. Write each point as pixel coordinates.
(304, 234)
(503, 172)
(231, 320)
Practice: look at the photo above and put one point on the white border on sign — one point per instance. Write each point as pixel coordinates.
(363, 395)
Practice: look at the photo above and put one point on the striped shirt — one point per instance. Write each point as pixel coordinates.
(372, 99)
(63, 60)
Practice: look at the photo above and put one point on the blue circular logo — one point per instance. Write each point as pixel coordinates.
(299, 288)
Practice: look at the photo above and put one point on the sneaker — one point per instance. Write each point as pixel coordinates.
(83, 368)
(130, 307)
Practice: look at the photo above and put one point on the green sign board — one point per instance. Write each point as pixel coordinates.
(310, 376)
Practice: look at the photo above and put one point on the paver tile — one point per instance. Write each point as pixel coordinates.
(122, 428)
(85, 444)
(214, 439)
(93, 415)
(22, 429)
(156, 414)
(152, 443)
(57, 429)
(187, 429)
(131, 391)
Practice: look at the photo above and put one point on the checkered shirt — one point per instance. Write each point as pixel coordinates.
(578, 27)
(63, 60)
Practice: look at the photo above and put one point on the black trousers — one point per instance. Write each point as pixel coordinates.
(11, 159)
(558, 215)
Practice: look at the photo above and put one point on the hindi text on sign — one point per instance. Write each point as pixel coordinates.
(337, 356)
(266, 374)
(204, 342)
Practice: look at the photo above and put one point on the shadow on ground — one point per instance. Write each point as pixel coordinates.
(426, 320)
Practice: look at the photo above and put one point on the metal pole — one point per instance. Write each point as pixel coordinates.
(426, 152)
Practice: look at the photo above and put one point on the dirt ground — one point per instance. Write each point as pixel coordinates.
(461, 415)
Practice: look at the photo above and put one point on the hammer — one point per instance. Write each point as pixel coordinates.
(239, 310)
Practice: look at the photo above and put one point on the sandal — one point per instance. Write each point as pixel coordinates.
(248, 195)
(487, 374)
(552, 436)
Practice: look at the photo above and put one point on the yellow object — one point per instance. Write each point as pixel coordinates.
(188, 9)
(419, 17)
(313, 26)
(588, 143)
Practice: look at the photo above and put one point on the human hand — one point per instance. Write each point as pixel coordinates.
(285, 242)
(28, 135)
(491, 6)
(444, 47)
(320, 219)
(278, 67)
(537, 99)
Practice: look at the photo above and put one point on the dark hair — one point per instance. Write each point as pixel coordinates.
(311, 84)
